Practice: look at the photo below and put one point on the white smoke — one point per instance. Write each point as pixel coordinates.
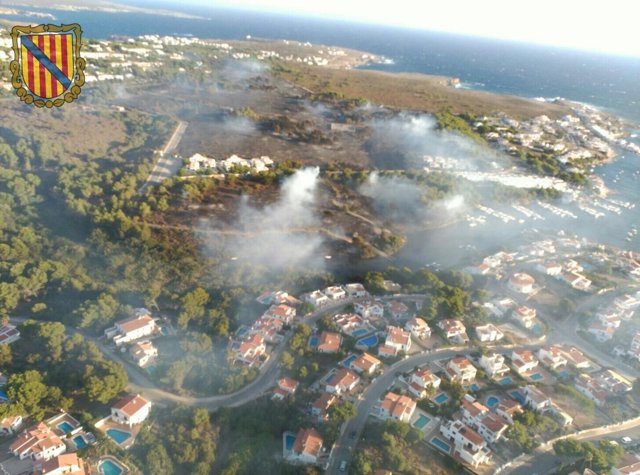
(402, 142)
(401, 199)
(281, 234)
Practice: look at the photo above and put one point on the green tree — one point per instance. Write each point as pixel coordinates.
(104, 380)
(343, 411)
(287, 360)
(193, 305)
(158, 461)
(28, 391)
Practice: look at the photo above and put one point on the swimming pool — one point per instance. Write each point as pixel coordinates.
(564, 374)
(348, 360)
(505, 381)
(108, 467)
(313, 342)
(289, 440)
(474, 387)
(359, 332)
(492, 401)
(441, 445)
(3, 395)
(119, 436)
(367, 342)
(441, 398)
(65, 427)
(536, 377)
(80, 442)
(421, 421)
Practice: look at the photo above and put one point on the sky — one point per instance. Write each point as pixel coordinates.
(611, 26)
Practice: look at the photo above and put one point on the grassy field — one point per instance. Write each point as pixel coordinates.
(411, 91)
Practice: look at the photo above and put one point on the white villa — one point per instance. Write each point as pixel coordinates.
(131, 410)
(38, 443)
(131, 329)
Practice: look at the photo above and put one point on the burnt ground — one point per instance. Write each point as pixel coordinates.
(228, 117)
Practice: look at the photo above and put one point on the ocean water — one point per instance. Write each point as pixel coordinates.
(608, 82)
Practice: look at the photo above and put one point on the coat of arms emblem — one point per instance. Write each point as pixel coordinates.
(47, 69)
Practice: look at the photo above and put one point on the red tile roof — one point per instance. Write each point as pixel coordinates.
(329, 342)
(130, 405)
(308, 441)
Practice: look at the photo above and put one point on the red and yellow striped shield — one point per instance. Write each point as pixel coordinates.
(47, 63)
(47, 69)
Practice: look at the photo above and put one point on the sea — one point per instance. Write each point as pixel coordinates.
(609, 82)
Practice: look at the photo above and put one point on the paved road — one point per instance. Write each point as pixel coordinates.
(544, 461)
(168, 164)
(264, 382)
(565, 333)
(345, 445)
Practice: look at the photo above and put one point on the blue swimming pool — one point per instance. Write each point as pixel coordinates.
(313, 341)
(289, 440)
(3, 395)
(441, 398)
(348, 360)
(80, 442)
(119, 436)
(492, 401)
(536, 377)
(441, 445)
(564, 374)
(474, 387)
(421, 421)
(505, 381)
(359, 332)
(367, 342)
(65, 427)
(107, 467)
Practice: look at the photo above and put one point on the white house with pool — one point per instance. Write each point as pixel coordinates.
(131, 410)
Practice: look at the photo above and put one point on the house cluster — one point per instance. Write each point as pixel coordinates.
(49, 447)
(607, 320)
(629, 262)
(475, 427)
(198, 162)
(570, 139)
(136, 331)
(523, 315)
(334, 293)
(249, 346)
(603, 385)
(549, 257)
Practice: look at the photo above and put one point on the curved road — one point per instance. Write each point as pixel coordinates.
(564, 333)
(560, 333)
(265, 381)
(345, 445)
